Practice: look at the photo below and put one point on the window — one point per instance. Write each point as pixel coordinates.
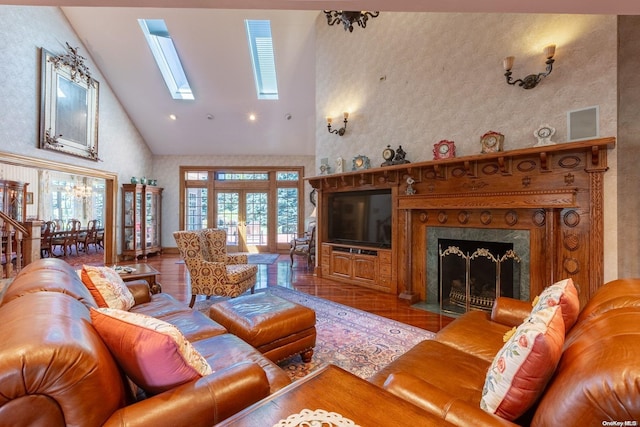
(264, 66)
(287, 215)
(287, 176)
(166, 56)
(242, 176)
(259, 207)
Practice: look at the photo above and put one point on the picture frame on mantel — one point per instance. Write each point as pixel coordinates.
(583, 124)
(68, 105)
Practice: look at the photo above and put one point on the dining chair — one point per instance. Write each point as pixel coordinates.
(67, 238)
(48, 230)
(88, 236)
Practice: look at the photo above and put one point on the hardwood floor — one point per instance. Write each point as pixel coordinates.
(175, 282)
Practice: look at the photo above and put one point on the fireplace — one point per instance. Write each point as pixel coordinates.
(549, 198)
(473, 273)
(469, 267)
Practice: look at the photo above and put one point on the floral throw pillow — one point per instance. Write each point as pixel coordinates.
(106, 287)
(521, 369)
(152, 352)
(564, 294)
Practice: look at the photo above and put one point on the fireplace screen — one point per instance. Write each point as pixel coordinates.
(473, 273)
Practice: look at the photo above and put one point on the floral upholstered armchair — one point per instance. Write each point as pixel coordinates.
(212, 270)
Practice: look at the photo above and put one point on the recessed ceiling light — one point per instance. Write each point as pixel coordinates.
(288, 116)
(173, 117)
(210, 116)
(252, 117)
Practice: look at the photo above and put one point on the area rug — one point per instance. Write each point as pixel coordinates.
(262, 258)
(359, 342)
(255, 259)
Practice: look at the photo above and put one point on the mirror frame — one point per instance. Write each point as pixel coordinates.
(60, 128)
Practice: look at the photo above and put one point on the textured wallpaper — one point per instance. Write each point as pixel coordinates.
(24, 31)
(413, 79)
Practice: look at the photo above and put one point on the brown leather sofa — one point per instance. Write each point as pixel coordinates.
(596, 381)
(55, 370)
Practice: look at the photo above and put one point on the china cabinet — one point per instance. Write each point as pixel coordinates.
(141, 208)
(13, 199)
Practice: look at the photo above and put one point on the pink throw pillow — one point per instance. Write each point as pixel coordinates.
(521, 369)
(153, 353)
(564, 294)
(106, 287)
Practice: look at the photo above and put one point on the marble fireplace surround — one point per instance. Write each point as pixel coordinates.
(519, 239)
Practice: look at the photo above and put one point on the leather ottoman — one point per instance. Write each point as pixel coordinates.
(276, 327)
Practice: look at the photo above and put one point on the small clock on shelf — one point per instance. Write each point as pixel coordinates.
(388, 154)
(544, 134)
(491, 142)
(444, 150)
(361, 162)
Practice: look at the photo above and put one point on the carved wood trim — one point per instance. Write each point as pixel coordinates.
(555, 192)
(508, 200)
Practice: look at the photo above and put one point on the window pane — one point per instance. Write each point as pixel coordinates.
(196, 215)
(256, 212)
(228, 215)
(287, 176)
(196, 176)
(287, 216)
(241, 176)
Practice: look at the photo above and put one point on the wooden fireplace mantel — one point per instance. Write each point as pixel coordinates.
(555, 192)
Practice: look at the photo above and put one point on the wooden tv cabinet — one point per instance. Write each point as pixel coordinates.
(358, 265)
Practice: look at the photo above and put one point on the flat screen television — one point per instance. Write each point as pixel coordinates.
(360, 218)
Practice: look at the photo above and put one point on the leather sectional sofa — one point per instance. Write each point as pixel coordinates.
(596, 381)
(55, 369)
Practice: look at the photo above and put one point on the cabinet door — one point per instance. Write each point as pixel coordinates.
(341, 264)
(138, 220)
(365, 267)
(129, 219)
(153, 220)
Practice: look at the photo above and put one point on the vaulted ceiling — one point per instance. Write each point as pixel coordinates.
(210, 39)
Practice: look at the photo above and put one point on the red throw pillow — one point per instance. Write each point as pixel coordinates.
(521, 369)
(153, 353)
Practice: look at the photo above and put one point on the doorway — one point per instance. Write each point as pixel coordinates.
(259, 208)
(245, 217)
(108, 203)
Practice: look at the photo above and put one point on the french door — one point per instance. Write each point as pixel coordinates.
(244, 214)
(258, 207)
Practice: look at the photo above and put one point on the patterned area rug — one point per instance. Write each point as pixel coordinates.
(359, 342)
(255, 259)
(262, 258)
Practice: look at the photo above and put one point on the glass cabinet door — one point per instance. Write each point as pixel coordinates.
(128, 210)
(152, 220)
(138, 220)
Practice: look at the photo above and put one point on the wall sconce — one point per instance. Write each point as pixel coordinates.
(531, 80)
(340, 131)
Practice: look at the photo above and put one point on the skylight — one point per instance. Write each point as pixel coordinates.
(264, 66)
(166, 56)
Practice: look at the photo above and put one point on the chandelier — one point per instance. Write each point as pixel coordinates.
(348, 18)
(78, 190)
